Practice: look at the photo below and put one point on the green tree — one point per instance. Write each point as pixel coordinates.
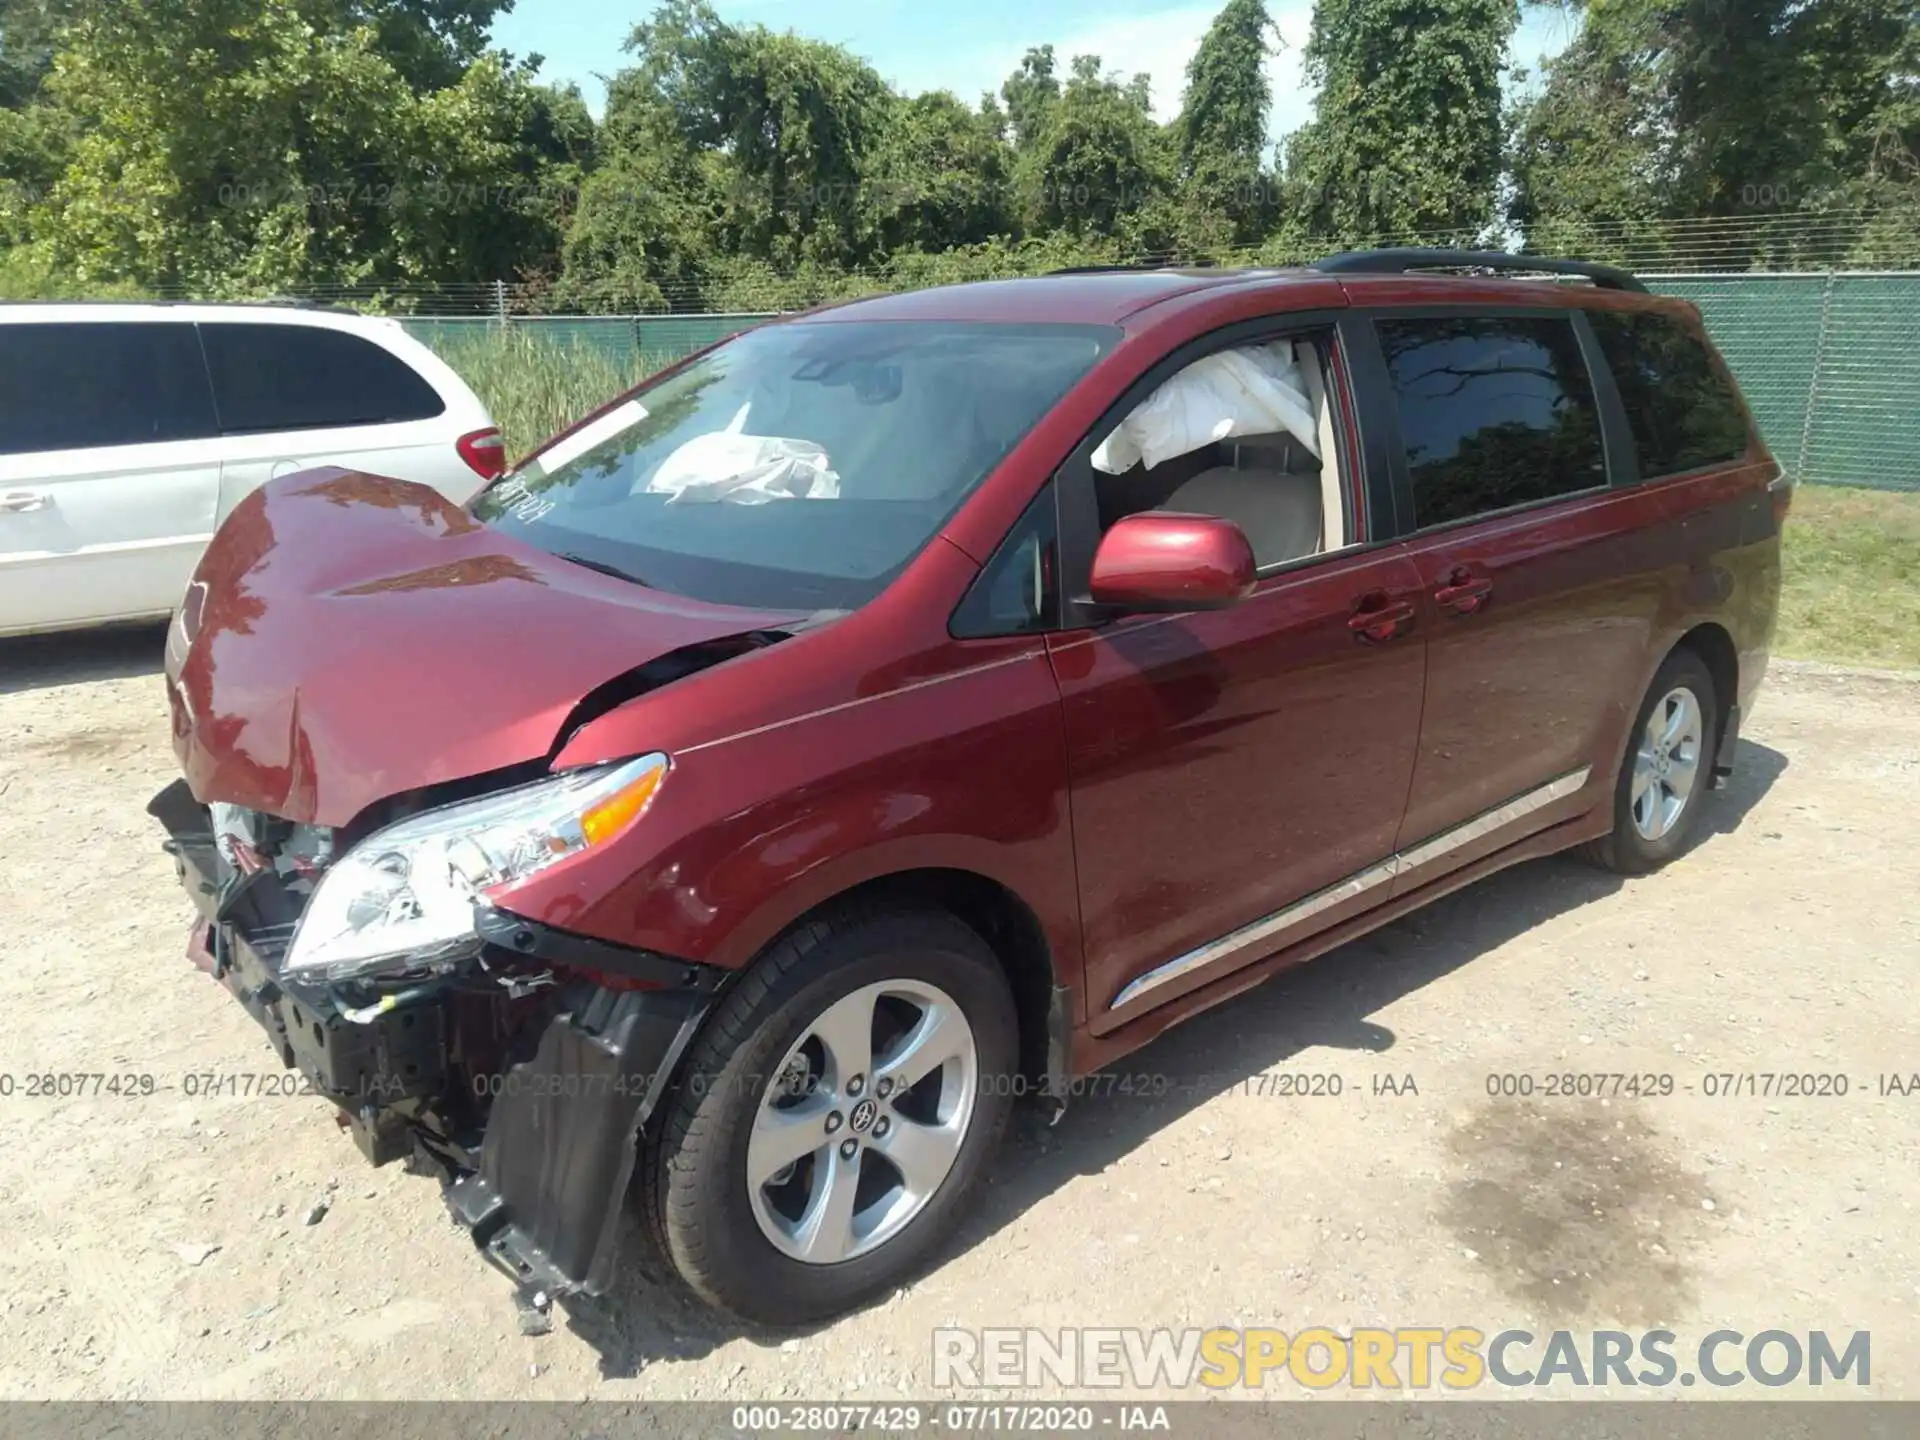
(29, 30)
(650, 212)
(1407, 131)
(796, 120)
(35, 135)
(1100, 169)
(940, 176)
(1670, 111)
(1221, 132)
(246, 145)
(432, 43)
(1030, 95)
(1590, 172)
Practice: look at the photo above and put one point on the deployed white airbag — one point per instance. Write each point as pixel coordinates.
(746, 469)
(1254, 390)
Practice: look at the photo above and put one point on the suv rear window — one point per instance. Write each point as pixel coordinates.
(76, 386)
(1683, 411)
(1495, 411)
(300, 377)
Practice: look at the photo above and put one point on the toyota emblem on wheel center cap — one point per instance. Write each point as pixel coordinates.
(861, 1120)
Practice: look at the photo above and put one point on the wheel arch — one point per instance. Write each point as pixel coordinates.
(1000, 916)
(1712, 642)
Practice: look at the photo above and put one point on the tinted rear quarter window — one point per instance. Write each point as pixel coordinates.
(1494, 411)
(97, 383)
(1682, 409)
(299, 377)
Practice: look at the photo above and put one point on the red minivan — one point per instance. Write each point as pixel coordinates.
(921, 703)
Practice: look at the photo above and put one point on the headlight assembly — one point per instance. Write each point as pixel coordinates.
(404, 897)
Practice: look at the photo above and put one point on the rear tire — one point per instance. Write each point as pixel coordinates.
(1665, 773)
(748, 1182)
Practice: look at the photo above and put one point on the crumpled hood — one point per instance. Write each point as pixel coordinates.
(348, 637)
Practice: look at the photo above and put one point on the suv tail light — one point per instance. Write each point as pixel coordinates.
(485, 452)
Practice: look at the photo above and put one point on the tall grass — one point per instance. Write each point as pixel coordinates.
(1851, 592)
(533, 385)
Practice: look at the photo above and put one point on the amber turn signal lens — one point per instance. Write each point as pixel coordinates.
(612, 815)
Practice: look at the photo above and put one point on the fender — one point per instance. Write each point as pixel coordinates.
(899, 858)
(965, 771)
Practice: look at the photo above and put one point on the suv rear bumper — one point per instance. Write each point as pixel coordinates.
(528, 1107)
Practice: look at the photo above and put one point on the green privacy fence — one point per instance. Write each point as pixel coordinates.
(1829, 362)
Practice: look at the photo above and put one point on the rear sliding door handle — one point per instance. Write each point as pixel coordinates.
(1464, 593)
(18, 502)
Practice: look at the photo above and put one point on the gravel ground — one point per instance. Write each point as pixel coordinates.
(167, 1246)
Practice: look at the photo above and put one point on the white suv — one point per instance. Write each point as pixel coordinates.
(129, 431)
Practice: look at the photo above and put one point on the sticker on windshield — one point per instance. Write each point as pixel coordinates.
(520, 502)
(569, 448)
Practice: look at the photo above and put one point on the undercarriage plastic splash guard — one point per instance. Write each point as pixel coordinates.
(562, 1137)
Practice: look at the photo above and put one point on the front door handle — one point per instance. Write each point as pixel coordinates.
(1378, 620)
(17, 502)
(1464, 593)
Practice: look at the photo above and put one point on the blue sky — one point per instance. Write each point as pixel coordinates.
(967, 48)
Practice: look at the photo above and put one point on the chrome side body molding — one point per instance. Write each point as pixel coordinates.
(1301, 911)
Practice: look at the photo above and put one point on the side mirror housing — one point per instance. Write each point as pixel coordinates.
(1157, 561)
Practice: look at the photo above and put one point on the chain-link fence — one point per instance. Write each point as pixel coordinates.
(1829, 362)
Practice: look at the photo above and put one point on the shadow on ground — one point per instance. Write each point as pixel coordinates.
(649, 1316)
(39, 662)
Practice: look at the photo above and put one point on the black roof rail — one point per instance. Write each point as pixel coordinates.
(1399, 260)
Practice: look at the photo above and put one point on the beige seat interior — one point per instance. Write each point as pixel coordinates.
(1287, 501)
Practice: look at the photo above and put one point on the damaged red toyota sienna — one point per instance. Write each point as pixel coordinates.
(922, 703)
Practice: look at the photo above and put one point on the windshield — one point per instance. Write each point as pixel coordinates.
(798, 466)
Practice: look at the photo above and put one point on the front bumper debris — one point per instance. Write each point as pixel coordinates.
(563, 1139)
(521, 1081)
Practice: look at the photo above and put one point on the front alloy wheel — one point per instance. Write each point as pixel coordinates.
(862, 1121)
(834, 1113)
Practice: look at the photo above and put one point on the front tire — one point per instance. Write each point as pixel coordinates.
(834, 1115)
(1665, 773)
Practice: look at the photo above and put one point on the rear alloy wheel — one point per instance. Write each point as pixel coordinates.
(1666, 766)
(834, 1114)
(1663, 777)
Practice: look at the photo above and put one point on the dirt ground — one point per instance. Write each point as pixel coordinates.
(158, 1247)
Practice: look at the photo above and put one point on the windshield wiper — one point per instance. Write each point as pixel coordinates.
(605, 569)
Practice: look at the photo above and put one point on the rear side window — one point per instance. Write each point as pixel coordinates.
(1683, 411)
(298, 377)
(73, 387)
(1494, 412)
